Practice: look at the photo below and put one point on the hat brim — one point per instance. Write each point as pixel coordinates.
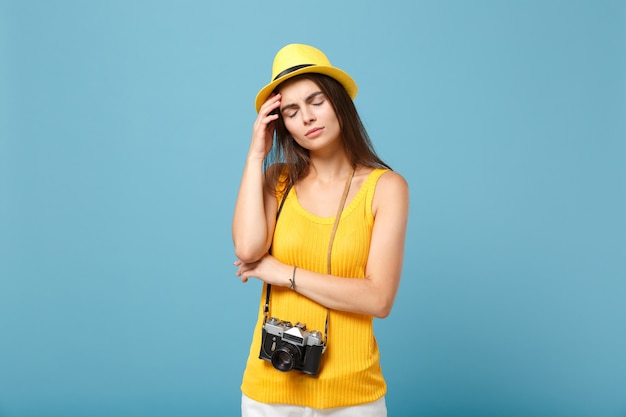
(333, 72)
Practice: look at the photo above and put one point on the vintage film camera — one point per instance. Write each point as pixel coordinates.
(291, 347)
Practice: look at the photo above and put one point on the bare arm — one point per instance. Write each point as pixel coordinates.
(373, 295)
(253, 218)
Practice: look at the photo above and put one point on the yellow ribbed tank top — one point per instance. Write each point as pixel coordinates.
(350, 372)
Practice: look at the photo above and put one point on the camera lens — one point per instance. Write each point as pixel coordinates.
(285, 357)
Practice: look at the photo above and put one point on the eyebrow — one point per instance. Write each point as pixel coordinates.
(308, 99)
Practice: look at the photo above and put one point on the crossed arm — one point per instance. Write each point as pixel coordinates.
(253, 226)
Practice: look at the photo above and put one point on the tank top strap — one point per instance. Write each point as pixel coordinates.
(370, 186)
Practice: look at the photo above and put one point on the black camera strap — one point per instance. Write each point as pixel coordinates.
(266, 309)
(342, 203)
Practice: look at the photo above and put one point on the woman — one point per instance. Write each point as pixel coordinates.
(332, 257)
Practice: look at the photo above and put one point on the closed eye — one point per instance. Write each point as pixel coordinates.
(316, 99)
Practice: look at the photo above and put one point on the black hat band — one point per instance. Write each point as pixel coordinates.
(292, 69)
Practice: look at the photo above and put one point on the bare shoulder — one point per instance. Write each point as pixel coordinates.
(391, 182)
(392, 190)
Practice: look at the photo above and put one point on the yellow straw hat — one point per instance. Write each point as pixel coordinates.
(295, 59)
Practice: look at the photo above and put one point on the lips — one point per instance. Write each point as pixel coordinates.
(316, 131)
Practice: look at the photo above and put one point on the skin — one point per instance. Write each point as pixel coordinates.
(311, 120)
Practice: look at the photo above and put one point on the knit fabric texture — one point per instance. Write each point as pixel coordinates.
(350, 371)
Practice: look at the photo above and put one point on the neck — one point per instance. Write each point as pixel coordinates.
(330, 169)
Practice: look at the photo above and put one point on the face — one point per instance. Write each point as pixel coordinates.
(309, 115)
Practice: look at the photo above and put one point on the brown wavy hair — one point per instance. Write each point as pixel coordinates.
(288, 162)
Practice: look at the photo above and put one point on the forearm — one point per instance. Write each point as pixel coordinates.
(355, 295)
(249, 228)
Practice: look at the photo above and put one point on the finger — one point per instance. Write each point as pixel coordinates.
(270, 108)
(245, 269)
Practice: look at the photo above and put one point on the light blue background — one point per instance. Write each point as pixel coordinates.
(124, 127)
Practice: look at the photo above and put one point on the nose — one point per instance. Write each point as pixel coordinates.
(308, 115)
